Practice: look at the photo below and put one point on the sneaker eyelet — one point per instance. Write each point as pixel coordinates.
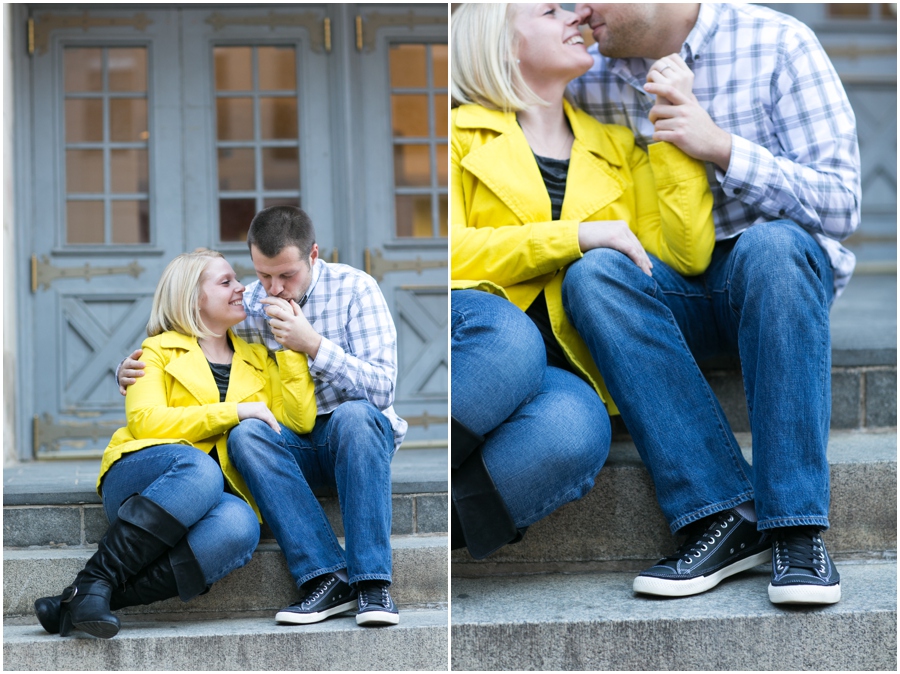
(689, 561)
(731, 518)
(718, 533)
(731, 552)
(697, 555)
(704, 548)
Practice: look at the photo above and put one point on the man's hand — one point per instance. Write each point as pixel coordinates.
(130, 370)
(617, 235)
(290, 327)
(258, 411)
(685, 124)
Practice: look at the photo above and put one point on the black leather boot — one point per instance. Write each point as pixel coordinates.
(176, 573)
(481, 517)
(142, 532)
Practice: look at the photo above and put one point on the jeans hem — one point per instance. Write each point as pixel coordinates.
(800, 521)
(320, 572)
(369, 576)
(706, 511)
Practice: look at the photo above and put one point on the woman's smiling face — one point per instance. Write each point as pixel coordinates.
(549, 45)
(221, 296)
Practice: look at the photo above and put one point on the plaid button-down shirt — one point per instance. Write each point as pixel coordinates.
(357, 359)
(763, 77)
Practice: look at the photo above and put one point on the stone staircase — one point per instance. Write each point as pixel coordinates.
(52, 520)
(562, 599)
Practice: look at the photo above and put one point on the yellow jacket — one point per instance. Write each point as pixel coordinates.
(504, 241)
(177, 401)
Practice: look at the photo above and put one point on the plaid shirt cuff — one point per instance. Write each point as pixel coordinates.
(330, 365)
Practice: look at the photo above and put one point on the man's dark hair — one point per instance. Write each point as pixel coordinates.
(275, 228)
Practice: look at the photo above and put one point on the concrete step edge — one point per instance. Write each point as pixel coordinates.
(418, 642)
(595, 622)
(419, 573)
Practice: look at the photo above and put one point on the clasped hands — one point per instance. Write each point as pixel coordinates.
(679, 118)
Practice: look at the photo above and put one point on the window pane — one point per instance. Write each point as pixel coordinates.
(408, 65)
(277, 68)
(848, 10)
(83, 70)
(237, 168)
(413, 215)
(127, 69)
(412, 166)
(234, 68)
(442, 215)
(278, 118)
(289, 201)
(440, 116)
(410, 115)
(84, 222)
(128, 120)
(442, 165)
(439, 65)
(84, 121)
(234, 218)
(234, 118)
(128, 171)
(281, 168)
(130, 222)
(84, 171)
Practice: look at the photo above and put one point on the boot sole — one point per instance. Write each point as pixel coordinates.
(291, 618)
(377, 618)
(805, 594)
(663, 587)
(98, 628)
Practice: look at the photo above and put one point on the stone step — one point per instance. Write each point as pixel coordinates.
(864, 360)
(619, 526)
(245, 643)
(419, 571)
(595, 622)
(55, 503)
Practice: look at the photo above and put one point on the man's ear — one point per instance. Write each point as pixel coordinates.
(313, 254)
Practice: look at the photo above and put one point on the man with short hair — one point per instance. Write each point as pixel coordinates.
(769, 115)
(338, 317)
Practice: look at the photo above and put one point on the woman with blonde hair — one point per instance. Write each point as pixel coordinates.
(173, 530)
(536, 185)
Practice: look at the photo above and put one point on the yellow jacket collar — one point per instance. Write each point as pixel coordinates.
(587, 131)
(192, 370)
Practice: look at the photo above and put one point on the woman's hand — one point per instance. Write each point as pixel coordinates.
(258, 411)
(613, 234)
(669, 71)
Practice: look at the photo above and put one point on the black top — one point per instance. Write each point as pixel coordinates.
(221, 373)
(554, 172)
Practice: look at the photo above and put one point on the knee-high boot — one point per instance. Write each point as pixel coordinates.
(177, 573)
(141, 532)
(479, 515)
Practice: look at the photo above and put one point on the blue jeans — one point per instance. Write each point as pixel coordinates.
(546, 431)
(764, 298)
(350, 450)
(222, 529)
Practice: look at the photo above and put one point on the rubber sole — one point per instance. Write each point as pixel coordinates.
(804, 594)
(663, 587)
(377, 618)
(292, 618)
(98, 628)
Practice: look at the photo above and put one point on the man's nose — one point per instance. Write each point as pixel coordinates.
(583, 11)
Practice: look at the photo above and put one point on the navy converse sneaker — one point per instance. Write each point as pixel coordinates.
(375, 604)
(728, 545)
(329, 596)
(802, 571)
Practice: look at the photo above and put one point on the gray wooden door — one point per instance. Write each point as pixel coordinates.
(402, 85)
(104, 212)
(151, 132)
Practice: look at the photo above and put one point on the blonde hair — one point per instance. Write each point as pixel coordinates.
(483, 56)
(176, 302)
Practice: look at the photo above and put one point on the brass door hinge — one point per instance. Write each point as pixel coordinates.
(30, 36)
(326, 25)
(376, 266)
(359, 32)
(43, 273)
